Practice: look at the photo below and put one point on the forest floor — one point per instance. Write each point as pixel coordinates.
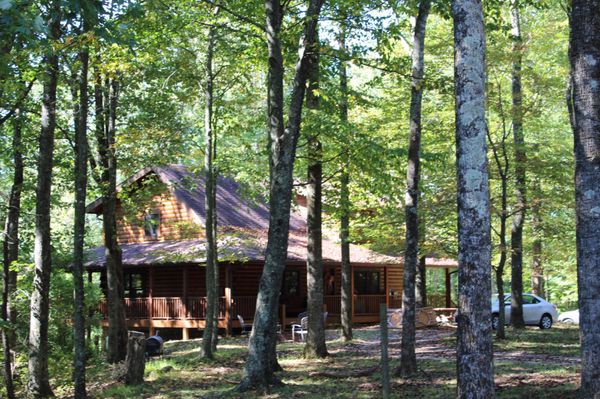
(530, 364)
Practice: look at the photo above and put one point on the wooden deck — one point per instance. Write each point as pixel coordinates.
(175, 312)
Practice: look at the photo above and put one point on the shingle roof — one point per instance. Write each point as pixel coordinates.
(239, 246)
(243, 228)
(188, 187)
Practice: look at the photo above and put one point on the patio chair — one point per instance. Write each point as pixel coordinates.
(300, 329)
(245, 328)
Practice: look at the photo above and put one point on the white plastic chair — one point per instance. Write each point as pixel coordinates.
(300, 329)
(245, 328)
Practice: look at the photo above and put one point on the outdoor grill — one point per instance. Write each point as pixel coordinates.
(154, 345)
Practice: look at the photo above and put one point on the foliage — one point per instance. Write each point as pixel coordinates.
(156, 49)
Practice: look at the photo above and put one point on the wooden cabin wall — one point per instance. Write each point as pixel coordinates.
(168, 281)
(176, 222)
(245, 279)
(396, 278)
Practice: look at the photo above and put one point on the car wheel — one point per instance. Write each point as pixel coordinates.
(495, 321)
(568, 321)
(546, 322)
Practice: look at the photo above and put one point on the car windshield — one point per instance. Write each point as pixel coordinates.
(495, 298)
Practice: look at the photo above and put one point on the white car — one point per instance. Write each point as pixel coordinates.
(536, 311)
(571, 317)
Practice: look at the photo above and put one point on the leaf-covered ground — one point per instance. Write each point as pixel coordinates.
(532, 363)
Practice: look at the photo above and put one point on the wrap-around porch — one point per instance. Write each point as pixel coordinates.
(174, 296)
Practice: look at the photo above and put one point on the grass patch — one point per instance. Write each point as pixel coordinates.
(183, 374)
(561, 339)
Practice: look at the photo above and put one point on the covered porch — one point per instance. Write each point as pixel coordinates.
(174, 296)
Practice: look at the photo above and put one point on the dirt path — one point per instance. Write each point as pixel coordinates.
(431, 346)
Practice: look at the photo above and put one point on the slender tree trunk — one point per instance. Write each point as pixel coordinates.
(474, 250)
(408, 358)
(38, 385)
(421, 283)
(215, 330)
(260, 364)
(584, 57)
(315, 339)
(500, 332)
(516, 236)
(503, 165)
(209, 205)
(11, 253)
(81, 158)
(346, 291)
(106, 115)
(537, 268)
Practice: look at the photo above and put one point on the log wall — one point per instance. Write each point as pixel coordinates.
(176, 222)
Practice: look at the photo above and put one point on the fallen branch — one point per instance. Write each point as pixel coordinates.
(345, 374)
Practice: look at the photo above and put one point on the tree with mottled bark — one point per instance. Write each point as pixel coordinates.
(421, 283)
(38, 385)
(80, 114)
(106, 101)
(408, 357)
(584, 101)
(212, 275)
(516, 235)
(346, 268)
(474, 331)
(261, 362)
(11, 253)
(315, 338)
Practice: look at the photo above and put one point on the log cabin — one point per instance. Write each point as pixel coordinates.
(161, 234)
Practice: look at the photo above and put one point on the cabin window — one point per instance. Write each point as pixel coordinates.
(134, 285)
(367, 282)
(151, 224)
(291, 283)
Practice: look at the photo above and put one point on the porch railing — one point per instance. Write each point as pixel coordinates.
(244, 306)
(166, 308)
(367, 304)
(176, 308)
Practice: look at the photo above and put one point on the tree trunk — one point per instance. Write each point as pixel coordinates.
(500, 332)
(81, 158)
(421, 283)
(315, 339)
(474, 251)
(537, 268)
(584, 57)
(408, 358)
(135, 362)
(11, 254)
(105, 134)
(260, 363)
(38, 385)
(209, 205)
(503, 165)
(516, 236)
(346, 291)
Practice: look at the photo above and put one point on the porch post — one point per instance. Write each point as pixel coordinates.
(387, 286)
(227, 299)
(185, 294)
(150, 302)
(448, 287)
